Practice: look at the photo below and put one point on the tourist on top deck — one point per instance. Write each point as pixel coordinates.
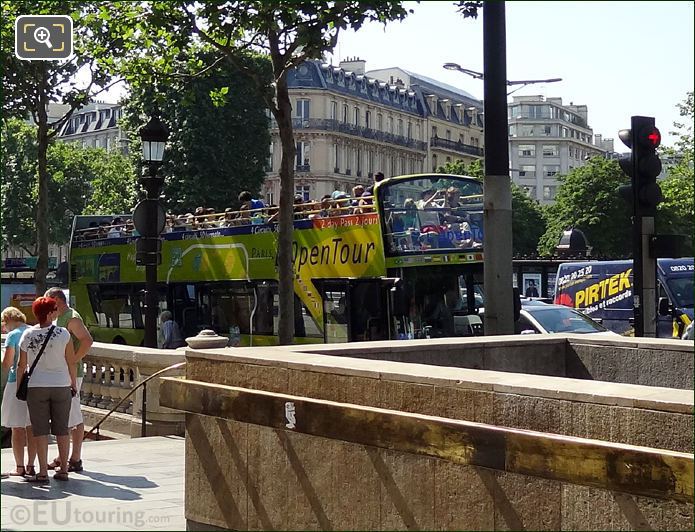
(247, 200)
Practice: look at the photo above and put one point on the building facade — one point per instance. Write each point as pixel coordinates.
(96, 126)
(349, 124)
(548, 139)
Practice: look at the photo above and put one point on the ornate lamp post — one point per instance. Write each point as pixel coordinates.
(149, 220)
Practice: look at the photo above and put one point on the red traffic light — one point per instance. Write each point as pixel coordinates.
(650, 136)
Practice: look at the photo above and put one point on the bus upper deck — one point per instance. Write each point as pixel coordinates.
(403, 263)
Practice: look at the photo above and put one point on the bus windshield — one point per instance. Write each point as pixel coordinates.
(430, 213)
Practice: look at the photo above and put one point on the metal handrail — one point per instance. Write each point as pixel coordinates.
(144, 401)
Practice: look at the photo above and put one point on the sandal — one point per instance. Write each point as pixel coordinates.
(55, 463)
(17, 473)
(60, 475)
(42, 479)
(30, 471)
(75, 467)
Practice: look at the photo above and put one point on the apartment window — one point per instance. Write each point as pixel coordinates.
(530, 191)
(370, 159)
(304, 191)
(390, 124)
(303, 109)
(400, 128)
(334, 110)
(526, 130)
(410, 130)
(359, 162)
(549, 192)
(448, 160)
(527, 170)
(547, 131)
(461, 138)
(336, 157)
(550, 170)
(379, 122)
(393, 166)
(270, 198)
(434, 132)
(527, 150)
(368, 119)
(565, 132)
(434, 163)
(269, 162)
(303, 149)
(448, 134)
(417, 132)
(348, 160)
(357, 116)
(571, 151)
(550, 150)
(402, 164)
(345, 113)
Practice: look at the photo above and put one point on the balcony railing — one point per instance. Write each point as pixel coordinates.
(303, 168)
(456, 146)
(328, 124)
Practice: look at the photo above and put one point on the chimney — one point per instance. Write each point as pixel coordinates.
(354, 64)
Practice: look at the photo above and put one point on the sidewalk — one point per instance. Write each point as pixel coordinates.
(133, 484)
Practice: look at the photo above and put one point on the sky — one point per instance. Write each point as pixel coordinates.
(587, 44)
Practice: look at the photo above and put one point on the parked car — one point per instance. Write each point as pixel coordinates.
(537, 317)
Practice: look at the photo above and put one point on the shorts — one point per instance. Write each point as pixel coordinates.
(14, 413)
(76, 408)
(49, 410)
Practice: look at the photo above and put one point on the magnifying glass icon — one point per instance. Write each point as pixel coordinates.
(42, 35)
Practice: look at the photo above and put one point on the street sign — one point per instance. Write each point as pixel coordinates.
(149, 218)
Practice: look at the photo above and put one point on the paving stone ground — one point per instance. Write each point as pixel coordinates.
(130, 484)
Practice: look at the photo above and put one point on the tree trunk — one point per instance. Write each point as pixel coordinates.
(42, 204)
(283, 116)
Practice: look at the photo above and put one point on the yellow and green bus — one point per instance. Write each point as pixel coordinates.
(404, 263)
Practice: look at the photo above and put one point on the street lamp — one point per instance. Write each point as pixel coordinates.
(149, 219)
(480, 75)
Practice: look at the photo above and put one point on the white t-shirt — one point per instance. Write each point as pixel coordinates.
(52, 369)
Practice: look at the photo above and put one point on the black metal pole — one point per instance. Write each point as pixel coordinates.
(497, 213)
(143, 417)
(151, 299)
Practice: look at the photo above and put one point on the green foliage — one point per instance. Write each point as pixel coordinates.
(18, 153)
(587, 199)
(528, 223)
(675, 215)
(219, 137)
(81, 181)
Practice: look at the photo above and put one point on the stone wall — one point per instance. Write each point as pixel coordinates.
(243, 476)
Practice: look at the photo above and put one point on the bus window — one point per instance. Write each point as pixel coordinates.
(335, 312)
(304, 324)
(367, 313)
(115, 306)
(264, 316)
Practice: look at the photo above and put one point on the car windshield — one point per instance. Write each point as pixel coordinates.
(682, 290)
(560, 319)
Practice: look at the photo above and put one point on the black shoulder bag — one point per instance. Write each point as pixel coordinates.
(23, 388)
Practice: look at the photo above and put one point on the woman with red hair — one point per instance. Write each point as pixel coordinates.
(52, 383)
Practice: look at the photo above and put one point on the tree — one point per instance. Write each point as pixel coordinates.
(675, 215)
(587, 199)
(528, 224)
(29, 86)
(83, 181)
(288, 32)
(209, 165)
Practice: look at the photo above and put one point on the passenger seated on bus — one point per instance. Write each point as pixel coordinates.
(273, 213)
(244, 217)
(324, 207)
(410, 217)
(247, 200)
(366, 204)
(460, 235)
(357, 192)
(341, 203)
(228, 219)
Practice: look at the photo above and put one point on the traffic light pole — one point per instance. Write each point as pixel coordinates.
(649, 296)
(497, 196)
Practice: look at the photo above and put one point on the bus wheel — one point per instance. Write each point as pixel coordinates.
(119, 340)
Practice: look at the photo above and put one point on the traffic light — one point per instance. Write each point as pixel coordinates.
(642, 165)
